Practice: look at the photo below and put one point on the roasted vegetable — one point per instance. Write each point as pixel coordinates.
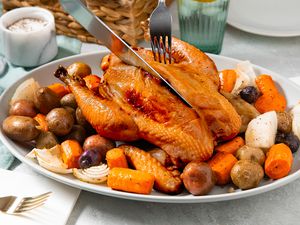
(79, 69)
(92, 82)
(249, 94)
(20, 128)
(69, 100)
(89, 158)
(26, 90)
(246, 174)
(251, 153)
(227, 80)
(198, 178)
(41, 119)
(23, 107)
(71, 151)
(50, 159)
(94, 174)
(279, 161)
(59, 89)
(60, 121)
(46, 100)
(165, 181)
(221, 164)
(243, 108)
(77, 133)
(261, 131)
(295, 112)
(129, 180)
(231, 146)
(46, 140)
(284, 122)
(271, 99)
(80, 119)
(291, 140)
(98, 143)
(116, 158)
(161, 156)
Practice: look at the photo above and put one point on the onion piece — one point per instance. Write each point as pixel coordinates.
(94, 174)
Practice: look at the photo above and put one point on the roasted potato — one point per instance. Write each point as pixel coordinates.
(20, 128)
(23, 107)
(46, 140)
(246, 174)
(251, 153)
(60, 121)
(79, 69)
(69, 100)
(98, 143)
(46, 100)
(77, 133)
(198, 178)
(80, 119)
(284, 122)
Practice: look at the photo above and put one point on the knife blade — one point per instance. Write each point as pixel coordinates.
(111, 40)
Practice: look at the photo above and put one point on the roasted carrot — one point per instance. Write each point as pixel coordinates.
(231, 146)
(129, 180)
(41, 119)
(71, 151)
(279, 161)
(222, 164)
(227, 80)
(266, 84)
(267, 103)
(271, 99)
(92, 82)
(116, 158)
(59, 89)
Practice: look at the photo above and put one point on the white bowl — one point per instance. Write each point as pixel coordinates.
(32, 48)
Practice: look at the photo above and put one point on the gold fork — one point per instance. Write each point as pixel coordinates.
(14, 204)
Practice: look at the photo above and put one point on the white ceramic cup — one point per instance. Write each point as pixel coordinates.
(31, 48)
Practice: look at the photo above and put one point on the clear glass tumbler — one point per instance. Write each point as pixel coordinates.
(202, 23)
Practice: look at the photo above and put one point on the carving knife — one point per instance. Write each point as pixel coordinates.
(97, 28)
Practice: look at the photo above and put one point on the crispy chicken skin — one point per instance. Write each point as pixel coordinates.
(161, 117)
(132, 104)
(195, 76)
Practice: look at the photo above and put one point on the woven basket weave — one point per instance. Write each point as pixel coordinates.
(123, 16)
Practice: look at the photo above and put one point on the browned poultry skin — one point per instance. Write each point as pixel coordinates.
(161, 117)
(195, 77)
(107, 118)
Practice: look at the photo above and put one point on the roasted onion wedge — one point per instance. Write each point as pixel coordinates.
(94, 174)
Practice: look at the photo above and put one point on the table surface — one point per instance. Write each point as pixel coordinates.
(281, 206)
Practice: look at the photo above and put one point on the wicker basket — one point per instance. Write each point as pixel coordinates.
(123, 16)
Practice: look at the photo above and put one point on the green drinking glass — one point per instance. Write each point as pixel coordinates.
(202, 23)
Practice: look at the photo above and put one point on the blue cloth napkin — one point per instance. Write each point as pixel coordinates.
(66, 47)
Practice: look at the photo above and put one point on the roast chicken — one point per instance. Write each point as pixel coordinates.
(132, 104)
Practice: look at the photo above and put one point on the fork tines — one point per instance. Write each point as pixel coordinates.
(161, 48)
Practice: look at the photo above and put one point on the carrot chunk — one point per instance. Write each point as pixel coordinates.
(222, 164)
(129, 180)
(59, 89)
(92, 82)
(271, 99)
(279, 161)
(231, 146)
(116, 158)
(71, 151)
(227, 80)
(41, 119)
